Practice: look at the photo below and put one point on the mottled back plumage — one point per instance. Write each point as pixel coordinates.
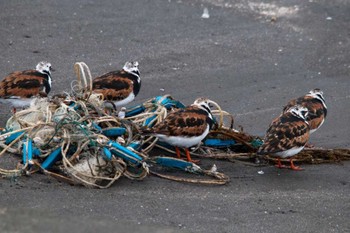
(20, 88)
(119, 86)
(28, 83)
(190, 123)
(315, 103)
(287, 134)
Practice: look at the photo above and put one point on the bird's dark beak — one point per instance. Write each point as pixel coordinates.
(52, 69)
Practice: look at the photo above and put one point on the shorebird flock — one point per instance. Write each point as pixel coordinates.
(285, 137)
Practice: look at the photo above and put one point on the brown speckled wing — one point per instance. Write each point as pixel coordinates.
(317, 112)
(187, 122)
(23, 84)
(285, 132)
(290, 104)
(114, 85)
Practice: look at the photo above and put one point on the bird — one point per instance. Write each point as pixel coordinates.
(184, 127)
(315, 103)
(20, 87)
(287, 135)
(119, 87)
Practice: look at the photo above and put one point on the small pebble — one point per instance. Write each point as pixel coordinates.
(205, 14)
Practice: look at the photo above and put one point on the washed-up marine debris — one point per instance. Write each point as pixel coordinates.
(72, 138)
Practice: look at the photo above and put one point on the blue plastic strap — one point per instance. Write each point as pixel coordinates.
(134, 110)
(107, 153)
(215, 142)
(177, 163)
(168, 103)
(75, 106)
(256, 143)
(149, 120)
(114, 132)
(96, 126)
(36, 152)
(30, 150)
(27, 151)
(24, 153)
(164, 100)
(178, 104)
(13, 137)
(124, 153)
(135, 145)
(52, 158)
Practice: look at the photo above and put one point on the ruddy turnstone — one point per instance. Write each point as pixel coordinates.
(19, 88)
(185, 127)
(315, 103)
(287, 135)
(119, 87)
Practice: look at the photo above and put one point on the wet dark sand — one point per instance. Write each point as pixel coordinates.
(251, 58)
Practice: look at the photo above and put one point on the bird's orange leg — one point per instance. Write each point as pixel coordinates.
(177, 152)
(293, 167)
(279, 164)
(189, 157)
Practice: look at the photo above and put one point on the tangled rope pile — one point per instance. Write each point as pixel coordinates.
(72, 138)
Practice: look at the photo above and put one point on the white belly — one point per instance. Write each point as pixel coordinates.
(125, 101)
(289, 153)
(313, 130)
(17, 102)
(185, 142)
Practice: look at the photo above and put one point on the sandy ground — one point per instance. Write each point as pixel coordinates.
(248, 56)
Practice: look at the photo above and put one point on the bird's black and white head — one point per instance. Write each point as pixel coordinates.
(132, 67)
(44, 67)
(203, 103)
(318, 94)
(299, 111)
